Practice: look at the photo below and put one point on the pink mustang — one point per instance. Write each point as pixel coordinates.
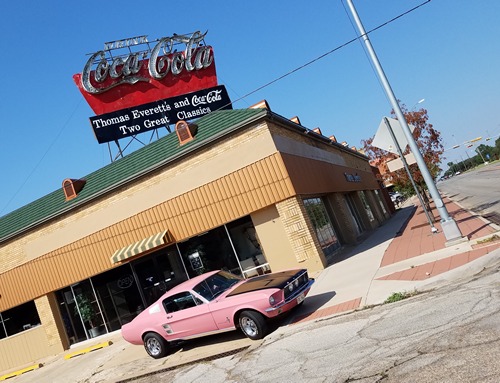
(214, 302)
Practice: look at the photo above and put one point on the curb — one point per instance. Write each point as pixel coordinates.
(20, 372)
(88, 349)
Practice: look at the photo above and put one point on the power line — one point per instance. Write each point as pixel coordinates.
(35, 168)
(232, 102)
(330, 51)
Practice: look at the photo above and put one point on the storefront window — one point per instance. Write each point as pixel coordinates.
(247, 247)
(18, 319)
(107, 301)
(380, 201)
(119, 296)
(158, 273)
(209, 251)
(358, 222)
(367, 207)
(323, 227)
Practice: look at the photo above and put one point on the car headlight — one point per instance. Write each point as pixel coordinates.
(290, 287)
(271, 300)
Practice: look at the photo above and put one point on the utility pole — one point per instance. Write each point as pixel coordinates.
(405, 164)
(450, 228)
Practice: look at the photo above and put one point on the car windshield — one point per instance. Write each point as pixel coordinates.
(216, 284)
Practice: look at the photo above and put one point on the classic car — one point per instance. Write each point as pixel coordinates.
(213, 302)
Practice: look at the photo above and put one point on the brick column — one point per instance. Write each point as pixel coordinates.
(300, 233)
(52, 322)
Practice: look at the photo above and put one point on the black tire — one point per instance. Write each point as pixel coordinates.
(155, 345)
(253, 324)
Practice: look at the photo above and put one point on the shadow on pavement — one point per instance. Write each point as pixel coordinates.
(377, 236)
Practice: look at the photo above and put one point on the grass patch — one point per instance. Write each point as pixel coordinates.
(493, 238)
(396, 297)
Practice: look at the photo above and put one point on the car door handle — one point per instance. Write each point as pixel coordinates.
(169, 316)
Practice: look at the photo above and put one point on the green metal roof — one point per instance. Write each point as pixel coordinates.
(134, 165)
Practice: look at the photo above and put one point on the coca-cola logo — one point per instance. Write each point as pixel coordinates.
(102, 73)
(211, 97)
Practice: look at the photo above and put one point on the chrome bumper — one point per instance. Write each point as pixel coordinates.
(295, 295)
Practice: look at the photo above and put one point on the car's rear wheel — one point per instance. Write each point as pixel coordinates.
(155, 345)
(253, 324)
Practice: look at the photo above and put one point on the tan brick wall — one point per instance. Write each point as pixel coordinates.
(300, 233)
(52, 322)
(38, 342)
(138, 196)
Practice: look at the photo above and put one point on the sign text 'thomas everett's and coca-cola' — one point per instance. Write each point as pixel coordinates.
(168, 67)
(142, 118)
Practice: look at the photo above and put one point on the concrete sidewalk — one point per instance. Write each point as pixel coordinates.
(402, 255)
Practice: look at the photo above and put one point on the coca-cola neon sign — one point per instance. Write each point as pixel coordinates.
(162, 61)
(147, 71)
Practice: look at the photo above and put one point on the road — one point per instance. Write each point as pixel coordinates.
(448, 334)
(477, 190)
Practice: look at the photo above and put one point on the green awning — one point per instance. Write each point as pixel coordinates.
(139, 247)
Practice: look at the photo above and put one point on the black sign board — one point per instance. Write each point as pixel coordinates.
(144, 118)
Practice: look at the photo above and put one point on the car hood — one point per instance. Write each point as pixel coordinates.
(266, 281)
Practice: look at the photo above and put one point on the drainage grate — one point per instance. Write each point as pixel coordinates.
(207, 359)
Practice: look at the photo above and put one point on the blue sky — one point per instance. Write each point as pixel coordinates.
(445, 52)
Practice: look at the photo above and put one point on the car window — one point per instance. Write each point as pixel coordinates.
(180, 301)
(215, 285)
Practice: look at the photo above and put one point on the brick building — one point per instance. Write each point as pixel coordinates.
(253, 192)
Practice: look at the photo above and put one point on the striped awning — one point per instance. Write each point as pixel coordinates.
(139, 247)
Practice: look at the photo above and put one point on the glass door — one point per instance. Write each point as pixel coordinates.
(88, 308)
(71, 318)
(81, 312)
(119, 296)
(158, 273)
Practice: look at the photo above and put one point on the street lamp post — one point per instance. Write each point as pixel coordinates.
(481, 154)
(448, 224)
(418, 102)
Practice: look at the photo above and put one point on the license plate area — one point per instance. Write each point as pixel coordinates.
(301, 298)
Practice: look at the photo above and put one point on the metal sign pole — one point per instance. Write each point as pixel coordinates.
(405, 164)
(448, 224)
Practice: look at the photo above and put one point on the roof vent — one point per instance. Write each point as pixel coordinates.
(261, 105)
(72, 187)
(317, 130)
(185, 132)
(296, 120)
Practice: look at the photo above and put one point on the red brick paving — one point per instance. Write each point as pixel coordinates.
(431, 269)
(339, 308)
(417, 239)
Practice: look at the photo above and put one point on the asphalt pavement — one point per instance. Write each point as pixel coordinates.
(403, 255)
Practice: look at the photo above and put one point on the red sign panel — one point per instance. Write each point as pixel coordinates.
(122, 81)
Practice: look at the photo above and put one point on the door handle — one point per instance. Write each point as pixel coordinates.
(169, 316)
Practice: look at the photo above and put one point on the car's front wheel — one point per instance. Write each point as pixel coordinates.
(155, 345)
(253, 324)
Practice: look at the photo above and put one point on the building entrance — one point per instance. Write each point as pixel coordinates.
(107, 301)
